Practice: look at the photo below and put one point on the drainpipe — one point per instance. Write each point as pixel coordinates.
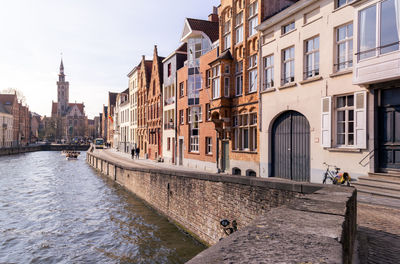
(260, 81)
(176, 113)
(217, 152)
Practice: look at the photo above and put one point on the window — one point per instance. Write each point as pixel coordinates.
(344, 47)
(269, 71)
(245, 132)
(181, 117)
(208, 145)
(253, 74)
(208, 78)
(194, 144)
(239, 28)
(227, 34)
(345, 120)
(169, 69)
(253, 18)
(216, 82)
(340, 3)
(288, 65)
(208, 112)
(239, 78)
(287, 28)
(379, 29)
(311, 57)
(181, 90)
(226, 86)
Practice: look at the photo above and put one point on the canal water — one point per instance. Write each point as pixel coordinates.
(58, 211)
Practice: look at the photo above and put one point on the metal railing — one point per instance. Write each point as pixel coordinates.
(369, 156)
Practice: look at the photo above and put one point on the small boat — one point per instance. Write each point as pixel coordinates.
(72, 155)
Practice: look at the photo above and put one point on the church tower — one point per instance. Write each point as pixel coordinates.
(62, 92)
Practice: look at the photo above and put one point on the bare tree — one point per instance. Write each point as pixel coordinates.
(21, 97)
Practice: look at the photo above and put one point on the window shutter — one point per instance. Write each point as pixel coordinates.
(360, 114)
(326, 123)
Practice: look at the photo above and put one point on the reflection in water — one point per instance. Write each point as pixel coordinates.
(58, 211)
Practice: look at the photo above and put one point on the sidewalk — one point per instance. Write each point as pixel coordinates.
(126, 158)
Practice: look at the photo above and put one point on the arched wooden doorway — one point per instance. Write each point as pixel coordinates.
(291, 147)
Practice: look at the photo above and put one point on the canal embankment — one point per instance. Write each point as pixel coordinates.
(34, 148)
(274, 217)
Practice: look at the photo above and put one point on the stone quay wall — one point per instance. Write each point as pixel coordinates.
(26, 149)
(197, 202)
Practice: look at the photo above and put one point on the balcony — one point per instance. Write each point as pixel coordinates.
(169, 101)
(374, 65)
(168, 126)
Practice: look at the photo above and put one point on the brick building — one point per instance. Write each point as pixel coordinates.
(21, 118)
(144, 76)
(234, 81)
(196, 132)
(154, 108)
(6, 127)
(69, 118)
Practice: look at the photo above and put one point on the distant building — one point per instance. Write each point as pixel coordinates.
(133, 105)
(69, 118)
(91, 129)
(97, 126)
(6, 127)
(21, 119)
(35, 126)
(112, 97)
(104, 123)
(121, 122)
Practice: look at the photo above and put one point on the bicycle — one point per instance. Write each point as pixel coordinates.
(334, 176)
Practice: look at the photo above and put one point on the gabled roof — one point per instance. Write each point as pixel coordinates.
(211, 29)
(226, 55)
(81, 107)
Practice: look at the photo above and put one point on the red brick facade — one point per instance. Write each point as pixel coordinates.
(154, 108)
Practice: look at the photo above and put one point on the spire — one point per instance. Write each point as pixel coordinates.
(61, 67)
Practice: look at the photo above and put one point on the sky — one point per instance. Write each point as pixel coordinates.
(100, 42)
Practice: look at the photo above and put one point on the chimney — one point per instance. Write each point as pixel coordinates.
(213, 17)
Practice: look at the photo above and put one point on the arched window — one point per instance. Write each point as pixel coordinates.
(251, 173)
(236, 171)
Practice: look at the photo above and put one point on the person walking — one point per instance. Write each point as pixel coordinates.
(137, 152)
(133, 153)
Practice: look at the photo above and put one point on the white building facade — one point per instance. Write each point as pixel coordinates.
(122, 122)
(311, 111)
(133, 107)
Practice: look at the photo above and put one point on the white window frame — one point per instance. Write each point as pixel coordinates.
(208, 145)
(253, 18)
(268, 72)
(288, 28)
(288, 78)
(346, 122)
(253, 73)
(347, 62)
(377, 50)
(311, 69)
(227, 82)
(216, 86)
(239, 28)
(338, 4)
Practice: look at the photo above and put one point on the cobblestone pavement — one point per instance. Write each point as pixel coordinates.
(378, 234)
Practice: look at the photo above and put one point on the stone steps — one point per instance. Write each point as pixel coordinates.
(378, 191)
(379, 184)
